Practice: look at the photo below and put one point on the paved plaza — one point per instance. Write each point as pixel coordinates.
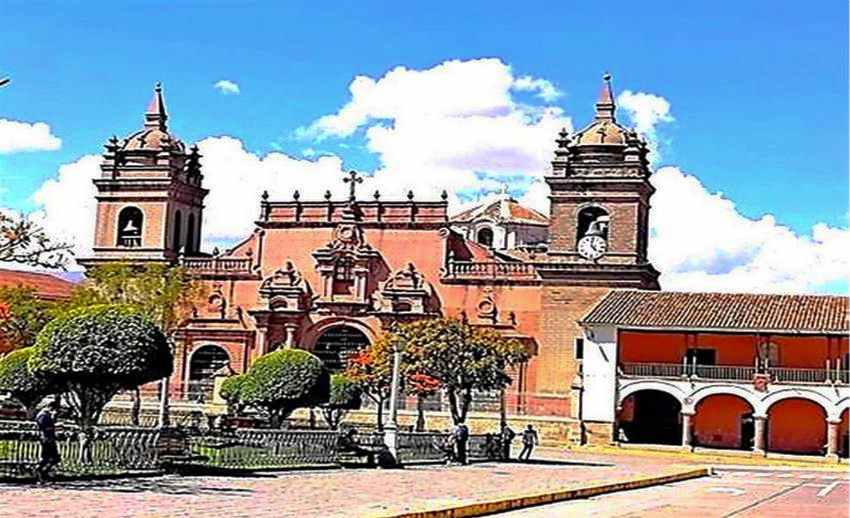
(740, 493)
(370, 492)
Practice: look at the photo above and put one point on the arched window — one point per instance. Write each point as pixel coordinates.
(130, 221)
(205, 362)
(176, 240)
(592, 221)
(336, 345)
(190, 235)
(485, 237)
(768, 353)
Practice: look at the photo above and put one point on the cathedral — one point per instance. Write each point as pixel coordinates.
(329, 275)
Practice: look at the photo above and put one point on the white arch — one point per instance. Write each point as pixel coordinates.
(746, 394)
(842, 405)
(661, 386)
(829, 406)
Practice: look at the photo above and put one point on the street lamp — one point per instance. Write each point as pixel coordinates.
(391, 430)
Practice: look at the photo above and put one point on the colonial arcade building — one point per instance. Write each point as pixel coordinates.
(329, 275)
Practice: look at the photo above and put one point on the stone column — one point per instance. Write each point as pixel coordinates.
(687, 431)
(262, 344)
(290, 335)
(759, 422)
(832, 427)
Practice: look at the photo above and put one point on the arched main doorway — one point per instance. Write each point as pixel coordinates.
(205, 362)
(651, 416)
(337, 344)
(723, 421)
(796, 425)
(844, 434)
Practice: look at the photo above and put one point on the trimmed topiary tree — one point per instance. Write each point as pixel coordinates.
(93, 353)
(345, 395)
(17, 380)
(231, 391)
(284, 380)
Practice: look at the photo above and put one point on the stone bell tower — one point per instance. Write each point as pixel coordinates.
(149, 195)
(599, 192)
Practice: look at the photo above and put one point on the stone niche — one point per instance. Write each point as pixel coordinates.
(286, 290)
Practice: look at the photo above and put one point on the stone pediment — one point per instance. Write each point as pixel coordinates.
(286, 290)
(406, 291)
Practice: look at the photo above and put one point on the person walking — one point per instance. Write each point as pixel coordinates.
(461, 437)
(46, 422)
(529, 440)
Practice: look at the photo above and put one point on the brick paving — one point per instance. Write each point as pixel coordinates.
(331, 493)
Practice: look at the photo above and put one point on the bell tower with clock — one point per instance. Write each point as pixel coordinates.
(599, 193)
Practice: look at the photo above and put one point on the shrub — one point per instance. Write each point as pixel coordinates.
(285, 380)
(17, 380)
(345, 395)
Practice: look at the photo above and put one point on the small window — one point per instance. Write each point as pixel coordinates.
(130, 221)
(485, 237)
(178, 229)
(191, 246)
(579, 350)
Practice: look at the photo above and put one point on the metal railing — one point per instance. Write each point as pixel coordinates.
(113, 450)
(490, 270)
(733, 372)
(437, 446)
(258, 448)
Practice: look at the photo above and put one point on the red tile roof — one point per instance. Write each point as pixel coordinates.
(47, 286)
(505, 210)
(727, 311)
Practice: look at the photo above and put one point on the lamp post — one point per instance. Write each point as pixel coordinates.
(163, 419)
(391, 429)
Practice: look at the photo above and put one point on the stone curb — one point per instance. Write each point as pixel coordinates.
(510, 504)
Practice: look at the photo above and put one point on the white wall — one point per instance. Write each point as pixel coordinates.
(599, 368)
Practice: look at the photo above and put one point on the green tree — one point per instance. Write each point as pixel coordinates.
(344, 396)
(17, 380)
(93, 353)
(231, 391)
(371, 370)
(23, 315)
(281, 381)
(164, 294)
(463, 358)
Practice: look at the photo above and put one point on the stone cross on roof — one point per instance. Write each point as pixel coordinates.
(353, 179)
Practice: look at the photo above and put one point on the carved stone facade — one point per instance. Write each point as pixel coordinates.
(329, 275)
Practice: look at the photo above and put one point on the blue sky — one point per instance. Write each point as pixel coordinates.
(758, 90)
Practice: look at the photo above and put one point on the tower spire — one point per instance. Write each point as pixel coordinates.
(155, 116)
(605, 105)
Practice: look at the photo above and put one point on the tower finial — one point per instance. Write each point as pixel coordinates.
(155, 116)
(605, 105)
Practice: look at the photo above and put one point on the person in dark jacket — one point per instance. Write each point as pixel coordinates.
(461, 438)
(529, 440)
(46, 422)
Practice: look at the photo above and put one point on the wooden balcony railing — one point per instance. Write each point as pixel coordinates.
(490, 270)
(734, 373)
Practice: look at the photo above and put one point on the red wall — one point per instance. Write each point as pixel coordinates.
(796, 426)
(732, 348)
(717, 422)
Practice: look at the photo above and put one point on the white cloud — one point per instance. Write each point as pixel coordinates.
(701, 242)
(455, 126)
(544, 89)
(18, 136)
(227, 87)
(646, 112)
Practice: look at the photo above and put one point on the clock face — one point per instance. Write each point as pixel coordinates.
(592, 247)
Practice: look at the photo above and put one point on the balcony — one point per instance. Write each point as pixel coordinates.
(220, 266)
(787, 375)
(467, 270)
